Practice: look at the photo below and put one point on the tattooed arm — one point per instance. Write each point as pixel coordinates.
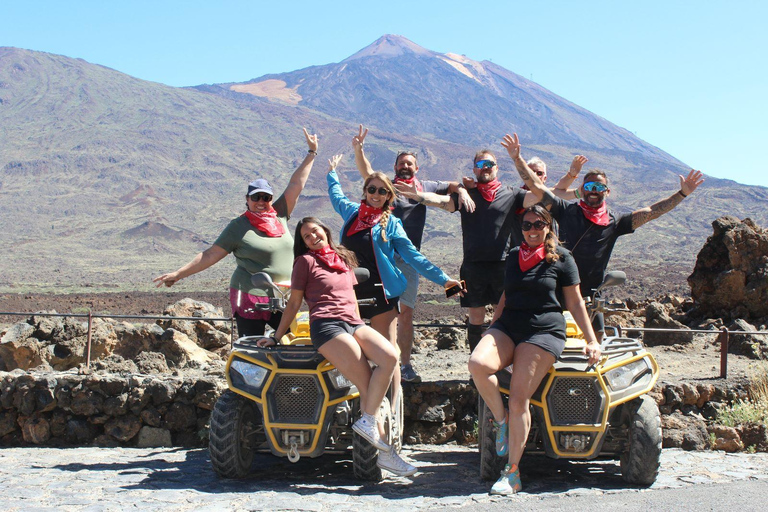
(656, 210)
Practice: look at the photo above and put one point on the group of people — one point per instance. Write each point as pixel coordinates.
(507, 231)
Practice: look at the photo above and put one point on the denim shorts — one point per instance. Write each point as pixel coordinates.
(408, 297)
(324, 330)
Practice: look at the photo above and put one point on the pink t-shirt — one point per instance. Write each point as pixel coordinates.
(329, 293)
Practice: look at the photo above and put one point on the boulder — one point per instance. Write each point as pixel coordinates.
(151, 437)
(35, 429)
(123, 428)
(726, 439)
(686, 432)
(421, 433)
(657, 317)
(181, 352)
(754, 347)
(151, 363)
(754, 434)
(451, 338)
(731, 272)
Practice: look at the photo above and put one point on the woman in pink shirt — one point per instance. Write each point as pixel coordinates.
(323, 277)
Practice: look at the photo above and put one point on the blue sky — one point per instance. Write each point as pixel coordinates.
(689, 77)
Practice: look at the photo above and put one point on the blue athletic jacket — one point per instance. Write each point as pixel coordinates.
(392, 279)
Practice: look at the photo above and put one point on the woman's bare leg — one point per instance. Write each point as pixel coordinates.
(531, 364)
(386, 325)
(494, 352)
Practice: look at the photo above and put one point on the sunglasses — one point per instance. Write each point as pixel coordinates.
(485, 164)
(382, 191)
(260, 197)
(538, 225)
(595, 186)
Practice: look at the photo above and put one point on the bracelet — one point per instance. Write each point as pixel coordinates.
(577, 193)
(312, 152)
(681, 193)
(572, 176)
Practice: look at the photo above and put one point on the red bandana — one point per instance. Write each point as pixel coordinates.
(266, 222)
(488, 190)
(331, 258)
(530, 257)
(412, 182)
(367, 217)
(597, 215)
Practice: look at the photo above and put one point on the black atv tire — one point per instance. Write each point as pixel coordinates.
(641, 459)
(233, 435)
(491, 464)
(364, 454)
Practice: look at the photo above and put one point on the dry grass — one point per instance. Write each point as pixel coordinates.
(755, 408)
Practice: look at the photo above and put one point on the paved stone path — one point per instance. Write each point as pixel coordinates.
(95, 479)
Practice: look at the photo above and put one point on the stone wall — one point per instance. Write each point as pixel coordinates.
(71, 409)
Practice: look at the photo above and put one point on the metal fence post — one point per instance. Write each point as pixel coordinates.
(722, 338)
(88, 345)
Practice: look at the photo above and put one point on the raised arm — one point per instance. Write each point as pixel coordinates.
(301, 174)
(561, 190)
(428, 198)
(537, 191)
(362, 163)
(687, 186)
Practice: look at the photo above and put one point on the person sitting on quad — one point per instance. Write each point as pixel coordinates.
(260, 241)
(323, 277)
(377, 237)
(528, 331)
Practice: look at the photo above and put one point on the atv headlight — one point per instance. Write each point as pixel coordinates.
(251, 374)
(338, 380)
(623, 376)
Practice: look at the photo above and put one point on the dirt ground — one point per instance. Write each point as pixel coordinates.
(700, 361)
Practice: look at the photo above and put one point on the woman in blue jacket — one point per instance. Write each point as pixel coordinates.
(374, 235)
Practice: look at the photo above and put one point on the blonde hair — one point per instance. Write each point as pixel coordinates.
(386, 210)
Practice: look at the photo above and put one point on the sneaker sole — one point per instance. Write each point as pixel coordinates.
(398, 473)
(378, 444)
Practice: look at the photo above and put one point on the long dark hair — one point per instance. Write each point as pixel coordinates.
(299, 247)
(551, 242)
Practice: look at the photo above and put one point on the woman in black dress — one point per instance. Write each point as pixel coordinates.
(529, 332)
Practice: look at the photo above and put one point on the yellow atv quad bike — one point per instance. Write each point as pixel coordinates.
(288, 400)
(585, 412)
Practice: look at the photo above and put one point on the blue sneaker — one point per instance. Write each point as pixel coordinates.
(502, 437)
(508, 482)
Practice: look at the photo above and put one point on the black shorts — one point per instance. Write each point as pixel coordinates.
(485, 283)
(368, 291)
(324, 330)
(251, 327)
(551, 341)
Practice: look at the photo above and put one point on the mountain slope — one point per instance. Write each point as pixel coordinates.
(107, 180)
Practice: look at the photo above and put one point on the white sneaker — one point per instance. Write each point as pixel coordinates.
(367, 429)
(392, 462)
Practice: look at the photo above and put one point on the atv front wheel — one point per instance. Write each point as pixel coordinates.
(364, 454)
(491, 464)
(640, 460)
(233, 436)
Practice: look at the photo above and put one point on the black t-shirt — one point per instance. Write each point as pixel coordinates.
(534, 298)
(413, 214)
(361, 244)
(591, 244)
(486, 231)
